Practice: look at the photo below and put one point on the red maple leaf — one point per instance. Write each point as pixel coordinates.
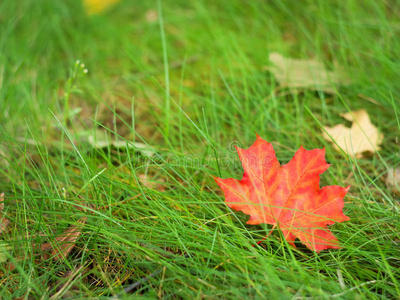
(287, 196)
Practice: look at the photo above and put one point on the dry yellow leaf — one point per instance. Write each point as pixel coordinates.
(393, 179)
(3, 221)
(362, 137)
(304, 73)
(151, 183)
(97, 6)
(101, 139)
(151, 16)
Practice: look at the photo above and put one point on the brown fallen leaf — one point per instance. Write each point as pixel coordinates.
(362, 137)
(393, 179)
(150, 183)
(66, 288)
(66, 241)
(98, 6)
(101, 140)
(305, 74)
(3, 221)
(151, 16)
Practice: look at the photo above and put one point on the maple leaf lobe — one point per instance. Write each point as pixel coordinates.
(287, 196)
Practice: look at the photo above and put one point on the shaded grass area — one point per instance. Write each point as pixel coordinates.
(189, 90)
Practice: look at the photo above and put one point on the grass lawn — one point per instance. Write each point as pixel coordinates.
(123, 149)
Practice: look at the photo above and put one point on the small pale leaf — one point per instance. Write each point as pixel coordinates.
(393, 179)
(305, 74)
(362, 137)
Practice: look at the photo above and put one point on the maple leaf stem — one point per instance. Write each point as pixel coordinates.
(265, 237)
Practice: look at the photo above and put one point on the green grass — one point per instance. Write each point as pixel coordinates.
(189, 88)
